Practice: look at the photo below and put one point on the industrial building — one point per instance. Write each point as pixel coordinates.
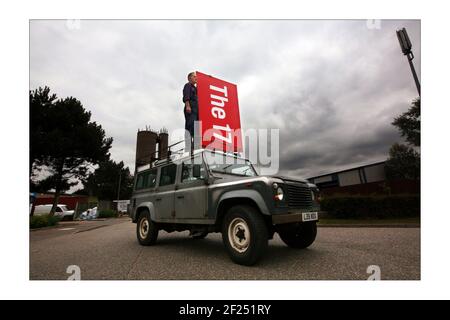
(146, 143)
(359, 175)
(70, 200)
(364, 179)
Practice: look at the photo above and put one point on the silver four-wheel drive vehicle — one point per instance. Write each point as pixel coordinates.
(216, 192)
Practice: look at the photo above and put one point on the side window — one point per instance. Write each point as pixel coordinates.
(146, 179)
(58, 209)
(187, 171)
(168, 174)
(151, 178)
(140, 181)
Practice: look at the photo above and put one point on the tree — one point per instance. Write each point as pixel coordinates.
(40, 101)
(403, 163)
(404, 160)
(104, 181)
(409, 124)
(68, 143)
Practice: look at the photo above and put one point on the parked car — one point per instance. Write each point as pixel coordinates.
(203, 195)
(61, 211)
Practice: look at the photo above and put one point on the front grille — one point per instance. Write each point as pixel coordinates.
(298, 195)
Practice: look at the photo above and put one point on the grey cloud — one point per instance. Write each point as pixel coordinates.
(331, 87)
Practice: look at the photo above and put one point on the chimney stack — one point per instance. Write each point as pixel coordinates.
(145, 146)
(163, 146)
(146, 143)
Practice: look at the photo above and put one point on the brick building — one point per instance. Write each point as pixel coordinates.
(70, 200)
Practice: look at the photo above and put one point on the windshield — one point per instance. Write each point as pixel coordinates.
(230, 165)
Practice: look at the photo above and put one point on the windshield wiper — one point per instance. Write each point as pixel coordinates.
(226, 167)
(231, 174)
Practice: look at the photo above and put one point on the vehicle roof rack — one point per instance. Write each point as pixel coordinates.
(174, 155)
(156, 160)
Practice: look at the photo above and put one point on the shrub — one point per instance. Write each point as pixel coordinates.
(107, 214)
(381, 207)
(43, 221)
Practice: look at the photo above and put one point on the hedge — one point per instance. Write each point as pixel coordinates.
(380, 207)
(108, 214)
(43, 221)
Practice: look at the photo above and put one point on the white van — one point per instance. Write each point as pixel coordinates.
(61, 211)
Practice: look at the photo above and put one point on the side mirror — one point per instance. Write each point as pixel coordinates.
(196, 170)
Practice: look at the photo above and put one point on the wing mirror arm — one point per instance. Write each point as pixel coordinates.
(209, 180)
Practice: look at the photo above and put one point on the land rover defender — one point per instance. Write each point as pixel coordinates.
(209, 191)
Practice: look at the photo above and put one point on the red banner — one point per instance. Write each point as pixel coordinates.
(219, 114)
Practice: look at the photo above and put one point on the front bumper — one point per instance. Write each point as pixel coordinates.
(293, 217)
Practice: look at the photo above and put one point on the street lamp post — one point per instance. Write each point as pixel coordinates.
(406, 46)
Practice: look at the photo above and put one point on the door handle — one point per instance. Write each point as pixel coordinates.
(158, 199)
(180, 197)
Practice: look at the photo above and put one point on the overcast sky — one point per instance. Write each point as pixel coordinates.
(331, 87)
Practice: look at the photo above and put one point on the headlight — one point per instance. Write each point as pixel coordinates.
(279, 194)
(315, 195)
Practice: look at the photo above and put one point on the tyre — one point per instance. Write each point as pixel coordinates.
(298, 235)
(245, 235)
(146, 229)
(200, 235)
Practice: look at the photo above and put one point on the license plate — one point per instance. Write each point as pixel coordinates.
(309, 216)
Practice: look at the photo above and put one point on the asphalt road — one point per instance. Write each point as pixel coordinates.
(109, 250)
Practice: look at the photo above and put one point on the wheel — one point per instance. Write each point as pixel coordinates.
(146, 230)
(245, 235)
(298, 235)
(200, 235)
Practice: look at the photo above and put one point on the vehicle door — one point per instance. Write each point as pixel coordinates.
(145, 186)
(191, 191)
(164, 195)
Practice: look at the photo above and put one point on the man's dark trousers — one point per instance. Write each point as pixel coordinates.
(190, 119)
(190, 94)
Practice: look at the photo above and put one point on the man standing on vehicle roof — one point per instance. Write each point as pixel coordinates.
(190, 109)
